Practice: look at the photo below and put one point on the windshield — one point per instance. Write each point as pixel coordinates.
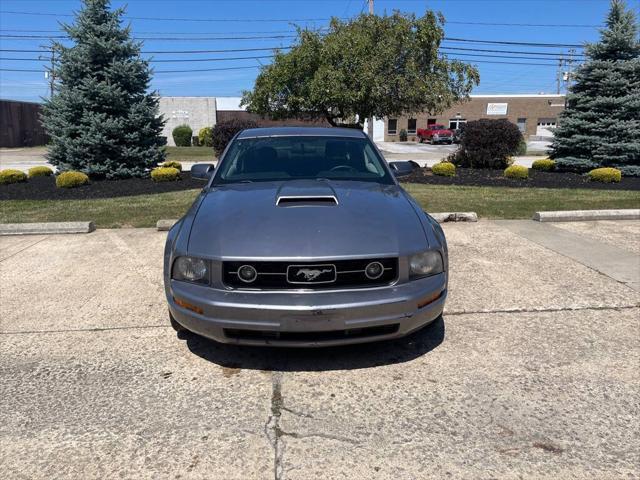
(266, 159)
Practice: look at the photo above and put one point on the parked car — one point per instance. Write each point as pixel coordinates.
(303, 237)
(435, 134)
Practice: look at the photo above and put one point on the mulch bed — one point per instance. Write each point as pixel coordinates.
(495, 178)
(44, 188)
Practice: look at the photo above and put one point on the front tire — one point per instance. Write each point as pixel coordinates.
(175, 325)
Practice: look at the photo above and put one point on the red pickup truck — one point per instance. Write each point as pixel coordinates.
(435, 134)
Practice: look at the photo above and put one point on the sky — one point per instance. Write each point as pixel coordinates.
(187, 25)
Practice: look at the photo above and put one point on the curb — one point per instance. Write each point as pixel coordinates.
(165, 225)
(48, 228)
(443, 217)
(586, 215)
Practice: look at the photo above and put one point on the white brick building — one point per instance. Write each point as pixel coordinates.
(197, 112)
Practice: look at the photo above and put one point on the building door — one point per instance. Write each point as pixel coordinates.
(546, 126)
(456, 123)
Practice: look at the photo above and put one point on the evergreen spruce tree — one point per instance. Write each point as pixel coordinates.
(601, 123)
(102, 120)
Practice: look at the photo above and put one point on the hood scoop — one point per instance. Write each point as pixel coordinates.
(306, 193)
(308, 201)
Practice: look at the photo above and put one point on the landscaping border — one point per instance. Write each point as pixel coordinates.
(587, 215)
(46, 228)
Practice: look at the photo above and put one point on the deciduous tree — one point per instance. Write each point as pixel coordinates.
(371, 66)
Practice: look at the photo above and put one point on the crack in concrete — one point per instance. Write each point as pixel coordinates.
(320, 435)
(302, 414)
(25, 248)
(539, 310)
(275, 434)
(272, 426)
(297, 413)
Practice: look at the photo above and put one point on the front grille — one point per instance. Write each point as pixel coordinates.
(298, 274)
(326, 336)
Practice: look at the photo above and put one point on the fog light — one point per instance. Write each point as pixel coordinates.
(247, 273)
(374, 270)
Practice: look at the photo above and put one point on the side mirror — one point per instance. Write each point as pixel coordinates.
(402, 169)
(202, 171)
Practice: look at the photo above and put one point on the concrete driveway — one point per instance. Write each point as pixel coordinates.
(532, 374)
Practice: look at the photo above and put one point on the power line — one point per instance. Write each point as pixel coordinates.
(263, 49)
(169, 60)
(552, 54)
(158, 71)
(326, 19)
(529, 44)
(172, 19)
(552, 25)
(257, 66)
(449, 39)
(173, 39)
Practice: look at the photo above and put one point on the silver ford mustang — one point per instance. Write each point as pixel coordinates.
(302, 237)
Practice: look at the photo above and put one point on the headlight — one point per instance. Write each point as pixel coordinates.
(425, 263)
(191, 269)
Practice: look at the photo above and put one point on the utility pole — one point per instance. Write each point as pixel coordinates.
(570, 64)
(50, 74)
(559, 75)
(370, 119)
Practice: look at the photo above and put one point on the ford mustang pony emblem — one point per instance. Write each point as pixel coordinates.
(310, 275)
(302, 274)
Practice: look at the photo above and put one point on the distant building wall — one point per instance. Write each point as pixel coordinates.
(534, 114)
(20, 124)
(197, 112)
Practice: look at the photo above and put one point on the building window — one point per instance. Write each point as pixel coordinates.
(392, 126)
(431, 121)
(522, 124)
(455, 123)
(411, 126)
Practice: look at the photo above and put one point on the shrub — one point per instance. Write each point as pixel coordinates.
(223, 132)
(487, 144)
(173, 164)
(605, 175)
(522, 148)
(516, 171)
(205, 137)
(576, 165)
(12, 176)
(71, 179)
(403, 135)
(165, 174)
(182, 135)
(444, 169)
(545, 165)
(40, 172)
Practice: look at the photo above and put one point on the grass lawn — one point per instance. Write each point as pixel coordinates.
(488, 202)
(190, 154)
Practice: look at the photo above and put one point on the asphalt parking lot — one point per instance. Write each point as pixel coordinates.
(533, 373)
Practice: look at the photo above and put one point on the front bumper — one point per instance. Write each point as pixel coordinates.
(309, 318)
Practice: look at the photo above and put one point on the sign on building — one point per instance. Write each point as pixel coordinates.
(497, 108)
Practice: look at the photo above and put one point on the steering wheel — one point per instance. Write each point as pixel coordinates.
(343, 167)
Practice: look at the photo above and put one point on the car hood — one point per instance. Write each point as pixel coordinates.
(244, 221)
